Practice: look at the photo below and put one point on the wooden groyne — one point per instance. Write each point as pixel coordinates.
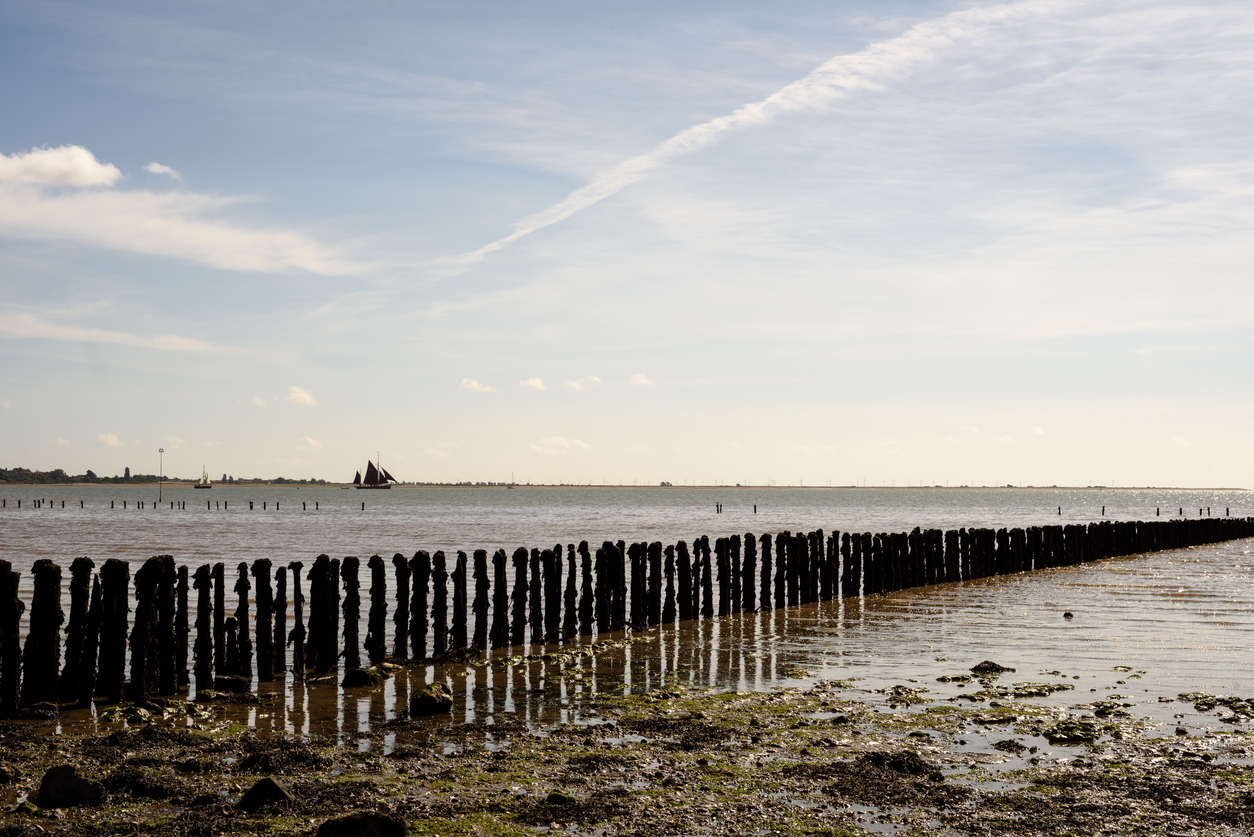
(556, 595)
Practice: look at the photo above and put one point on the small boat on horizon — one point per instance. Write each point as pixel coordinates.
(375, 477)
(204, 479)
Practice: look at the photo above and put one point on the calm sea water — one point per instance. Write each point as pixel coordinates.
(1178, 621)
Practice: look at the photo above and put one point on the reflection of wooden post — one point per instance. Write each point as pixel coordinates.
(400, 616)
(203, 652)
(350, 569)
(420, 564)
(41, 657)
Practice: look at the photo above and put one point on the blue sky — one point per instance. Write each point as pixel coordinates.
(910, 242)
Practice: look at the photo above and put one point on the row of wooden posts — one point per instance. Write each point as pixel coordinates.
(618, 586)
(174, 504)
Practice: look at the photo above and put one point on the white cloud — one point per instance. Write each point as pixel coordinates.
(59, 442)
(534, 383)
(584, 383)
(259, 401)
(1038, 431)
(172, 224)
(640, 380)
(473, 385)
(23, 324)
(109, 440)
(174, 442)
(66, 165)
(310, 443)
(157, 168)
(558, 446)
(442, 450)
(296, 395)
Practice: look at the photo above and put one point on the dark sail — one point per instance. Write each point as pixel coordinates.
(372, 476)
(357, 479)
(386, 475)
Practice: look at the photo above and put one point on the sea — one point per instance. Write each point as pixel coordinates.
(1142, 628)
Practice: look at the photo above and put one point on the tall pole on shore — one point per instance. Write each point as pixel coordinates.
(160, 472)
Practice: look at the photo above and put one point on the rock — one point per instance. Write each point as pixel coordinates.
(434, 699)
(363, 825)
(8, 773)
(25, 829)
(356, 678)
(990, 667)
(63, 787)
(267, 791)
(1068, 615)
(1181, 731)
(557, 797)
(1071, 732)
(232, 684)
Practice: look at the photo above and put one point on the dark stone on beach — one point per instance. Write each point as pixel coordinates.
(434, 699)
(44, 710)
(990, 667)
(63, 787)
(9, 773)
(356, 678)
(233, 684)
(557, 797)
(139, 784)
(363, 825)
(1068, 615)
(267, 791)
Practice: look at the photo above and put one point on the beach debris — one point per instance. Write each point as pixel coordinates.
(364, 824)
(63, 787)
(139, 784)
(1071, 731)
(989, 667)
(434, 699)
(267, 791)
(557, 797)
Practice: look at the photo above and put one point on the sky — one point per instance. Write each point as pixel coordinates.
(899, 242)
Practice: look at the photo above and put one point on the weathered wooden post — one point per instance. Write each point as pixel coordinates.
(551, 561)
(782, 568)
(91, 646)
(619, 567)
(76, 628)
(420, 564)
(232, 645)
(203, 650)
(500, 600)
(279, 642)
(668, 569)
(721, 565)
(350, 574)
(296, 637)
(400, 616)
(115, 582)
(749, 575)
(587, 593)
(535, 599)
(318, 579)
(686, 589)
(764, 586)
(707, 578)
(460, 595)
(11, 609)
(735, 571)
(260, 571)
(331, 637)
(570, 601)
(165, 639)
(182, 631)
(637, 596)
(439, 602)
(143, 641)
(602, 592)
(653, 610)
(376, 624)
(483, 588)
(851, 568)
(219, 618)
(242, 588)
(829, 566)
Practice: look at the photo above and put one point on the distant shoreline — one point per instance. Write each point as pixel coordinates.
(175, 483)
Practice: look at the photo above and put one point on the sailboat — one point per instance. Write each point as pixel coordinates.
(204, 479)
(375, 477)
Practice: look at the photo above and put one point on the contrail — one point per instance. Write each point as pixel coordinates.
(874, 68)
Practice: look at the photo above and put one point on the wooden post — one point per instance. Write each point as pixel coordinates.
(11, 609)
(279, 635)
(376, 624)
(602, 592)
(587, 593)
(350, 575)
(296, 638)
(460, 595)
(182, 632)
(165, 637)
(76, 629)
(707, 578)
(637, 594)
(142, 634)
(115, 581)
(551, 561)
(570, 604)
(735, 573)
(242, 588)
(685, 582)
(203, 650)
(260, 571)
(654, 609)
(91, 645)
(782, 565)
(500, 600)
(535, 602)
(668, 605)
(420, 565)
(749, 573)
(764, 588)
(400, 616)
(219, 618)
(483, 588)
(439, 601)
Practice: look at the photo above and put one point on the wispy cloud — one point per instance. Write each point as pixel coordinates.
(874, 68)
(174, 442)
(472, 385)
(558, 446)
(584, 383)
(157, 168)
(309, 443)
(639, 380)
(33, 205)
(23, 324)
(66, 165)
(297, 395)
(59, 442)
(534, 383)
(443, 450)
(109, 440)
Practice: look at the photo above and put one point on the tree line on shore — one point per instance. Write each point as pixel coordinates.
(58, 476)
